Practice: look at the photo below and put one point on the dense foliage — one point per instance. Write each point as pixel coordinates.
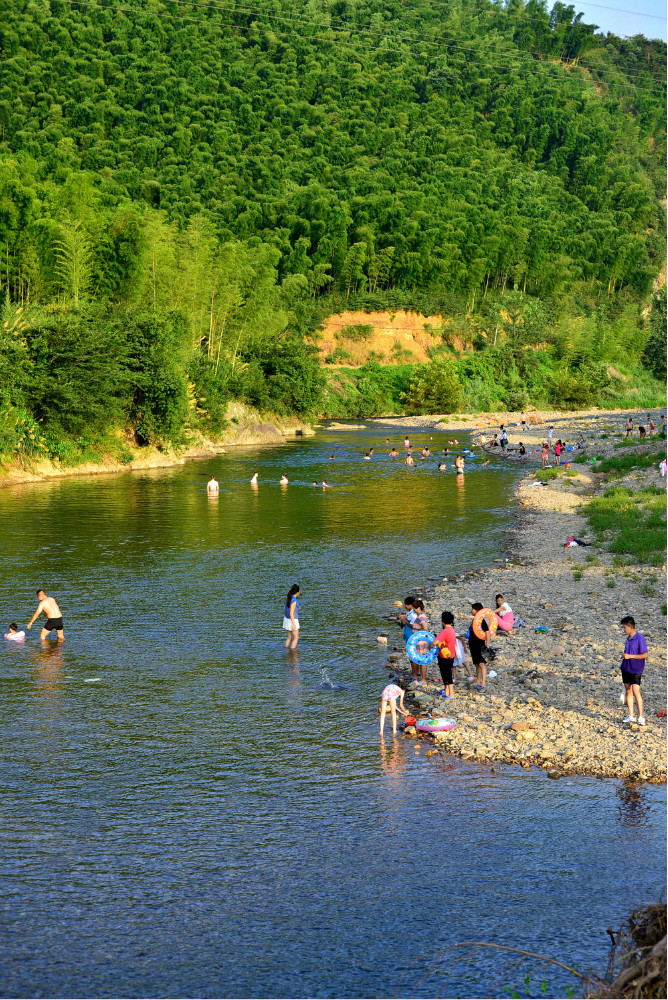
(187, 188)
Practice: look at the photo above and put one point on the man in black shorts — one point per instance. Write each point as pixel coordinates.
(477, 646)
(54, 619)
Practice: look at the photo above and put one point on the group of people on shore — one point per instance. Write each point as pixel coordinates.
(451, 653)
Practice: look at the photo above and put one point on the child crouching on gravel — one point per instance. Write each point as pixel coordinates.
(389, 699)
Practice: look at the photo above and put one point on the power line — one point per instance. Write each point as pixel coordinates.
(436, 42)
(367, 27)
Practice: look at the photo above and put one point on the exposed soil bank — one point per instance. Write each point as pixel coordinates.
(559, 690)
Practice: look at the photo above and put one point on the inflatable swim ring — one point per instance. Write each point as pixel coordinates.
(435, 725)
(477, 622)
(424, 656)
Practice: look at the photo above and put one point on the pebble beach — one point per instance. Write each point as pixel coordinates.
(555, 700)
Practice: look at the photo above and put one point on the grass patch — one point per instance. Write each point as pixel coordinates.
(631, 524)
(593, 560)
(355, 332)
(611, 583)
(621, 464)
(578, 574)
(635, 441)
(550, 474)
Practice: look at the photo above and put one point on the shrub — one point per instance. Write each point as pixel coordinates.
(435, 388)
(355, 332)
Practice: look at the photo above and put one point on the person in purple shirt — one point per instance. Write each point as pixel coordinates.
(633, 664)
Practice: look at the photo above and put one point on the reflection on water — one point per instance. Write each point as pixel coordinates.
(634, 804)
(217, 816)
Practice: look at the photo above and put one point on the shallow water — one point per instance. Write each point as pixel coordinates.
(188, 811)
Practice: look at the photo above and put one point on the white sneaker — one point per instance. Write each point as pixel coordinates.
(630, 718)
(641, 720)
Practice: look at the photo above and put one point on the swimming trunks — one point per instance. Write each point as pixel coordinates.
(54, 623)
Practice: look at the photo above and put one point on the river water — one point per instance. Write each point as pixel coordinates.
(188, 811)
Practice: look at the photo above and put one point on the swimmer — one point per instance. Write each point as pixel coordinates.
(14, 635)
(325, 485)
(425, 452)
(314, 483)
(371, 451)
(407, 443)
(409, 460)
(394, 453)
(254, 479)
(389, 700)
(486, 463)
(54, 619)
(459, 464)
(387, 440)
(442, 466)
(331, 458)
(367, 457)
(284, 480)
(212, 486)
(446, 451)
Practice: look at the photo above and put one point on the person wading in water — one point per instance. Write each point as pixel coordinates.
(54, 619)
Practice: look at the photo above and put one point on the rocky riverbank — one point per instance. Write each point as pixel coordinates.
(555, 700)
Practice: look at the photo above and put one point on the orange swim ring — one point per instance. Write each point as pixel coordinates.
(478, 620)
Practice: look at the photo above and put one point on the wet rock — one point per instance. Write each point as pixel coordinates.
(397, 604)
(554, 774)
(382, 639)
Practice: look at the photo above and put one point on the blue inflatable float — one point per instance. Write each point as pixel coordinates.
(419, 650)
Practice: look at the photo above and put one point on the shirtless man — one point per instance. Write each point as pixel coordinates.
(212, 485)
(54, 619)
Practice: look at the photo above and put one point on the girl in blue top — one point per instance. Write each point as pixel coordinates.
(291, 617)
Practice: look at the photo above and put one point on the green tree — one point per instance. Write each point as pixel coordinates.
(435, 388)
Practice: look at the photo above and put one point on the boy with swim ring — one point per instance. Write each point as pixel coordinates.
(477, 645)
(389, 699)
(446, 643)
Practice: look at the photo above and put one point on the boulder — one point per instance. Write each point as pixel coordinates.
(554, 774)
(397, 604)
(520, 727)
(382, 639)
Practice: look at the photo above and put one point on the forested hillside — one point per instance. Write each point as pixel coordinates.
(186, 189)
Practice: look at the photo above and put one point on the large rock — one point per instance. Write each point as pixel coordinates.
(521, 727)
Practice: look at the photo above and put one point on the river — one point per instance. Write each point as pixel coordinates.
(189, 811)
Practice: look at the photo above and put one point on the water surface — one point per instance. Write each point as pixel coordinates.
(190, 811)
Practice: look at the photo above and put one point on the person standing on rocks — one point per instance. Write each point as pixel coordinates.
(545, 456)
(420, 624)
(629, 427)
(408, 617)
(550, 432)
(476, 648)
(446, 643)
(633, 664)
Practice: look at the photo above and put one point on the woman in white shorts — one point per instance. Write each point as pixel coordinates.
(291, 617)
